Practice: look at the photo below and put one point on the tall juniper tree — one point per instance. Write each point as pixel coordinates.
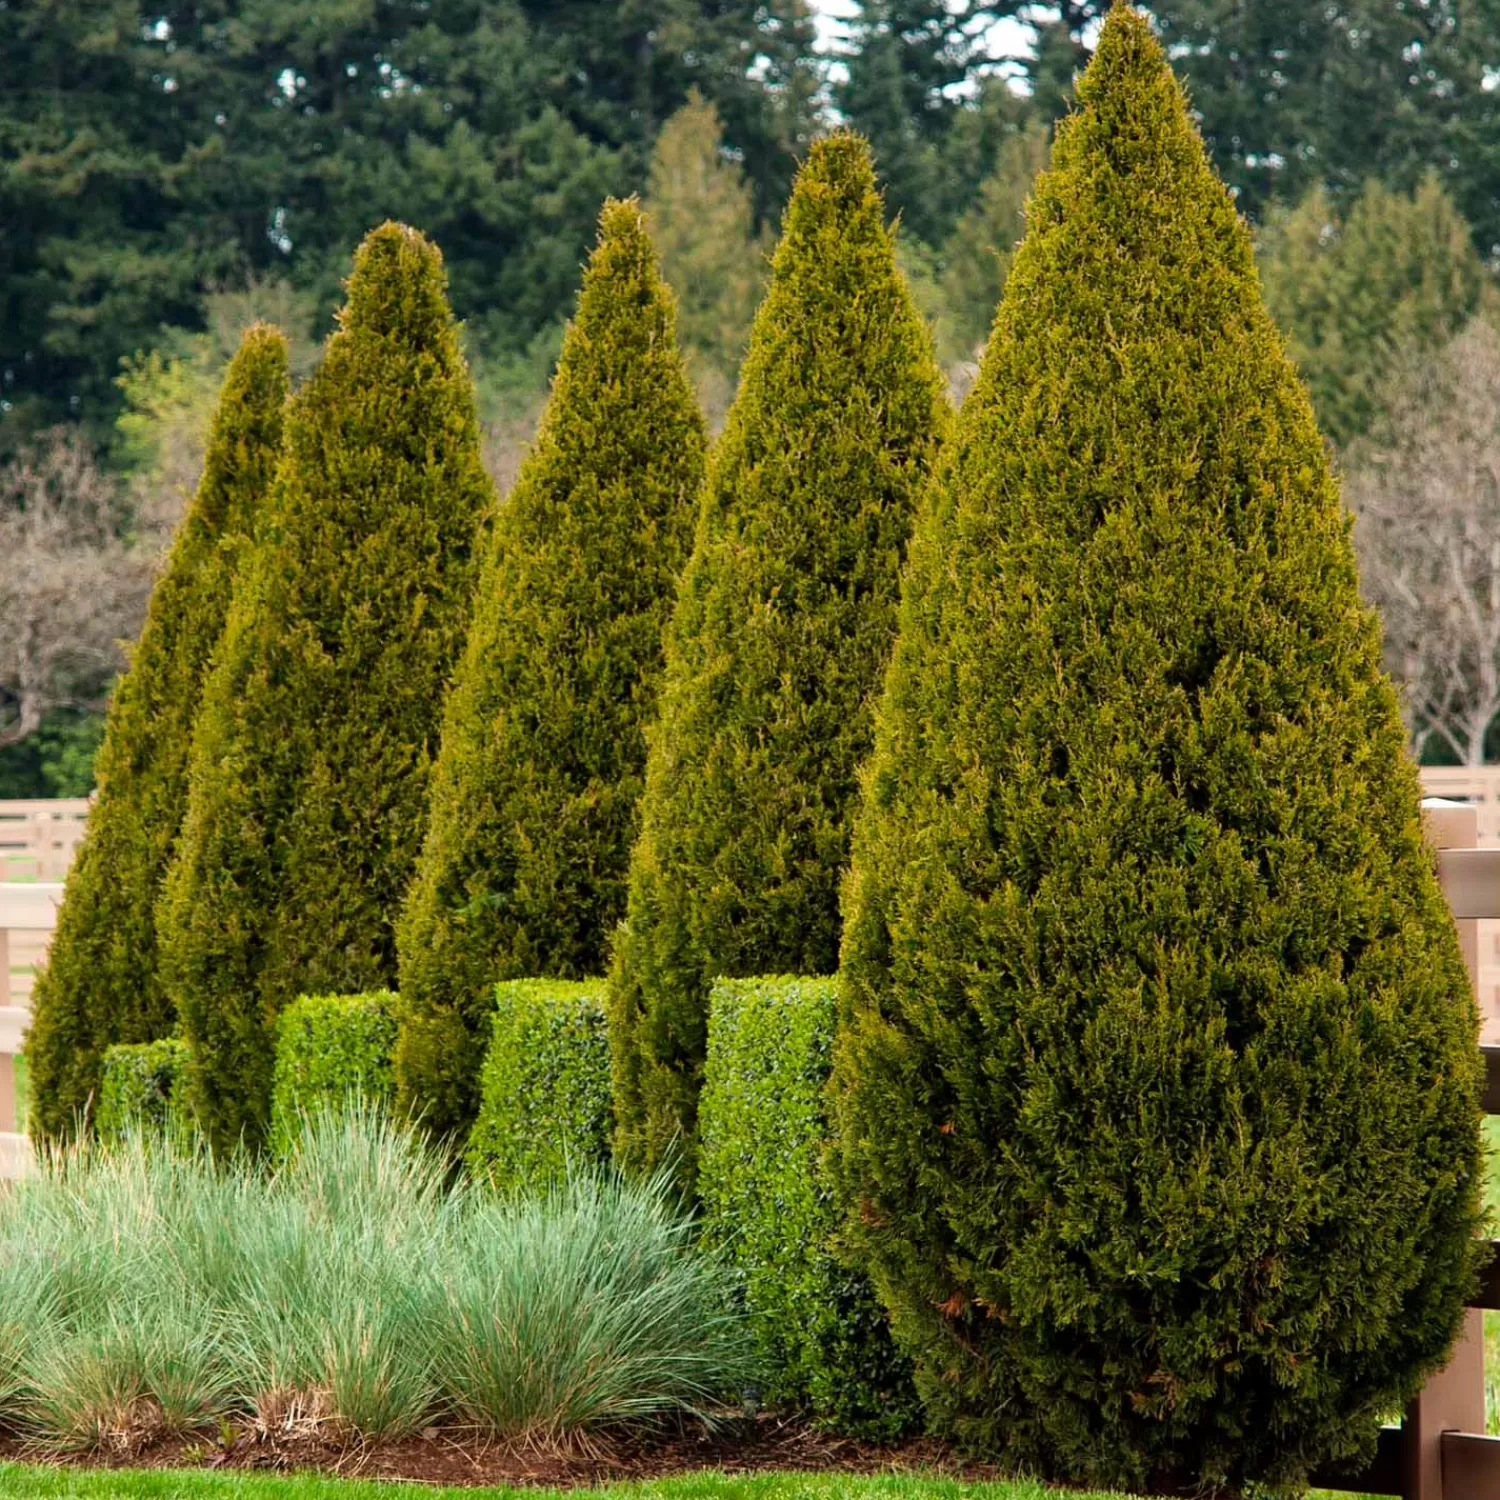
(101, 984)
(535, 788)
(782, 624)
(1156, 1077)
(310, 759)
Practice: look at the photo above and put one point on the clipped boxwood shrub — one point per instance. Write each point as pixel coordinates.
(768, 1207)
(330, 1048)
(545, 1084)
(139, 1089)
(1156, 1076)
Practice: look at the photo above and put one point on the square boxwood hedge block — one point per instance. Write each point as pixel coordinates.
(544, 1102)
(330, 1048)
(138, 1088)
(763, 1125)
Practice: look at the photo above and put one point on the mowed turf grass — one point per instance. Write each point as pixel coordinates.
(34, 1483)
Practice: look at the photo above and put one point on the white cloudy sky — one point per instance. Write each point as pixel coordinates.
(1008, 36)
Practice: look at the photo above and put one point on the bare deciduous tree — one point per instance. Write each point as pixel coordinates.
(1426, 497)
(72, 587)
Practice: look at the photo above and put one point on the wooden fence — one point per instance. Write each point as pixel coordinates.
(37, 839)
(1438, 1452)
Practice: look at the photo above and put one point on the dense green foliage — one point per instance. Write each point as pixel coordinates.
(534, 794)
(768, 1206)
(311, 754)
(138, 1090)
(101, 984)
(56, 761)
(1156, 1078)
(1360, 294)
(149, 158)
(544, 1106)
(151, 1292)
(783, 621)
(330, 1051)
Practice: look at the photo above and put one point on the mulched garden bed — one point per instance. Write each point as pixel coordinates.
(452, 1457)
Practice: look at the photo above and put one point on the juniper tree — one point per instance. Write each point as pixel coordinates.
(102, 985)
(310, 759)
(782, 624)
(535, 788)
(1156, 1071)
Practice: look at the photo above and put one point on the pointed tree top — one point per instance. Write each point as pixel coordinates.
(398, 285)
(247, 420)
(623, 250)
(836, 180)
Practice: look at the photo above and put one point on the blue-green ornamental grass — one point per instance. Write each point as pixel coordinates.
(545, 1084)
(146, 1291)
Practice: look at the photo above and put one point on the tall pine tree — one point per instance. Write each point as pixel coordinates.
(535, 788)
(781, 628)
(1156, 1076)
(310, 760)
(101, 984)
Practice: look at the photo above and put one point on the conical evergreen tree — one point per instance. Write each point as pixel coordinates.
(310, 760)
(535, 788)
(101, 984)
(1156, 1077)
(782, 625)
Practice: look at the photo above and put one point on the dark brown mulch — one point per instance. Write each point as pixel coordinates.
(452, 1457)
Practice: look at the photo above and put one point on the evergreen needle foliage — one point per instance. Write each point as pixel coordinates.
(535, 788)
(311, 756)
(783, 622)
(102, 985)
(1156, 1076)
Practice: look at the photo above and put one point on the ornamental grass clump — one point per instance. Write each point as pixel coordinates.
(309, 767)
(535, 788)
(102, 984)
(1157, 1082)
(782, 624)
(148, 1292)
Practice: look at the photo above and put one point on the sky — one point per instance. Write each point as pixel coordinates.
(1008, 36)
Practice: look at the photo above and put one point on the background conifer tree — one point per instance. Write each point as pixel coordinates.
(101, 984)
(782, 624)
(1360, 293)
(977, 256)
(535, 788)
(1156, 1074)
(702, 215)
(309, 766)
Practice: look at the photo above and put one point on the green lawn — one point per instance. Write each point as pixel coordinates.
(40, 1483)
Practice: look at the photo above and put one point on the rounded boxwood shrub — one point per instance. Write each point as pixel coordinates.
(309, 768)
(535, 788)
(101, 983)
(544, 1105)
(1156, 1075)
(330, 1050)
(768, 1208)
(783, 622)
(140, 1089)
